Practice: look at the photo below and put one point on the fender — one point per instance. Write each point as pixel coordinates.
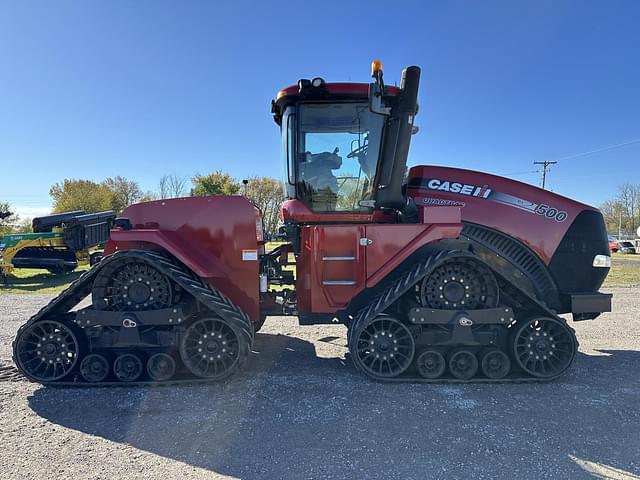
(189, 253)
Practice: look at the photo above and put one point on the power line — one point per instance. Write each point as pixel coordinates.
(545, 165)
(601, 149)
(528, 172)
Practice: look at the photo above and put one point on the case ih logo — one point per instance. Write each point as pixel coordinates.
(461, 188)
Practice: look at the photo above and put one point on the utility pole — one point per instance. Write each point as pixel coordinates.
(545, 165)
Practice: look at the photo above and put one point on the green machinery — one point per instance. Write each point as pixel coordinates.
(58, 243)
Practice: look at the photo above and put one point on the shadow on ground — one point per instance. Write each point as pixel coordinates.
(295, 415)
(38, 282)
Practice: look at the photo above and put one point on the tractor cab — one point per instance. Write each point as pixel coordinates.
(345, 146)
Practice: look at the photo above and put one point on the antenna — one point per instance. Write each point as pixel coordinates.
(545, 165)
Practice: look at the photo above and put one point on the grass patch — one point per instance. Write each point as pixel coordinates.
(39, 281)
(625, 271)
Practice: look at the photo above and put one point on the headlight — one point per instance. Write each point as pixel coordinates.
(602, 261)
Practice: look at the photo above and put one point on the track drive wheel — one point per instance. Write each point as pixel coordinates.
(132, 285)
(383, 347)
(459, 283)
(544, 347)
(463, 364)
(47, 350)
(431, 364)
(212, 348)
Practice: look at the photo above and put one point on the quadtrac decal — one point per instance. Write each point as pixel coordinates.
(441, 202)
(486, 193)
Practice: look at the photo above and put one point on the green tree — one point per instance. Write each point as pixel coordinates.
(125, 192)
(7, 218)
(267, 194)
(72, 194)
(216, 183)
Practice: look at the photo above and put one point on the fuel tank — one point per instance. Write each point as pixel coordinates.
(564, 235)
(219, 238)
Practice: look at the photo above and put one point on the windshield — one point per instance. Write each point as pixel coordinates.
(336, 153)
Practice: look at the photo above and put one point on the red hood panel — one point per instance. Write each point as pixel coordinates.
(536, 217)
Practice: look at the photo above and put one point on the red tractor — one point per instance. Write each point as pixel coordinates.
(440, 274)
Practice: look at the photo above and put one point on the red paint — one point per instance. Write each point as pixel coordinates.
(392, 244)
(340, 88)
(297, 211)
(332, 253)
(540, 233)
(207, 234)
(318, 243)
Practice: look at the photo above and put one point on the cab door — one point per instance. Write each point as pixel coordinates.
(332, 267)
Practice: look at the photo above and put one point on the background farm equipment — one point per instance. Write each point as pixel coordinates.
(58, 242)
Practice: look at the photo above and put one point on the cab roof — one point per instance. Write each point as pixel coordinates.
(340, 91)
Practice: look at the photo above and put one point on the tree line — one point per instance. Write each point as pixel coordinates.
(622, 213)
(117, 193)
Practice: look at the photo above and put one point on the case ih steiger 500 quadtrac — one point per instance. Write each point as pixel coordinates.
(441, 275)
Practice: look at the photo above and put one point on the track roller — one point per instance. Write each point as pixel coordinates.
(463, 364)
(161, 367)
(431, 364)
(94, 368)
(544, 347)
(127, 367)
(495, 364)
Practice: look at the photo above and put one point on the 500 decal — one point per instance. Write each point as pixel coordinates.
(550, 212)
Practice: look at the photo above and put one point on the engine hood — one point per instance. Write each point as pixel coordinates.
(538, 218)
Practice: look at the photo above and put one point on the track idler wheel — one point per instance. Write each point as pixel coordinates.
(47, 351)
(459, 283)
(127, 367)
(94, 368)
(463, 364)
(431, 364)
(161, 367)
(495, 364)
(211, 348)
(383, 347)
(544, 347)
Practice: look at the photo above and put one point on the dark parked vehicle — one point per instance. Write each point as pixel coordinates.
(626, 247)
(622, 247)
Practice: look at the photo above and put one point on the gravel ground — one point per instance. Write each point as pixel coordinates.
(300, 411)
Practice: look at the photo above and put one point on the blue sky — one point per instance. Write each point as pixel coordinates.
(141, 89)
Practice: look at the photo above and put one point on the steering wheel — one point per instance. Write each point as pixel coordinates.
(358, 151)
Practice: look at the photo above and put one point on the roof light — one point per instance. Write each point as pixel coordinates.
(317, 82)
(376, 66)
(603, 261)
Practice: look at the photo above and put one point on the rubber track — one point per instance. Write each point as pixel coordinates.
(204, 293)
(406, 282)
